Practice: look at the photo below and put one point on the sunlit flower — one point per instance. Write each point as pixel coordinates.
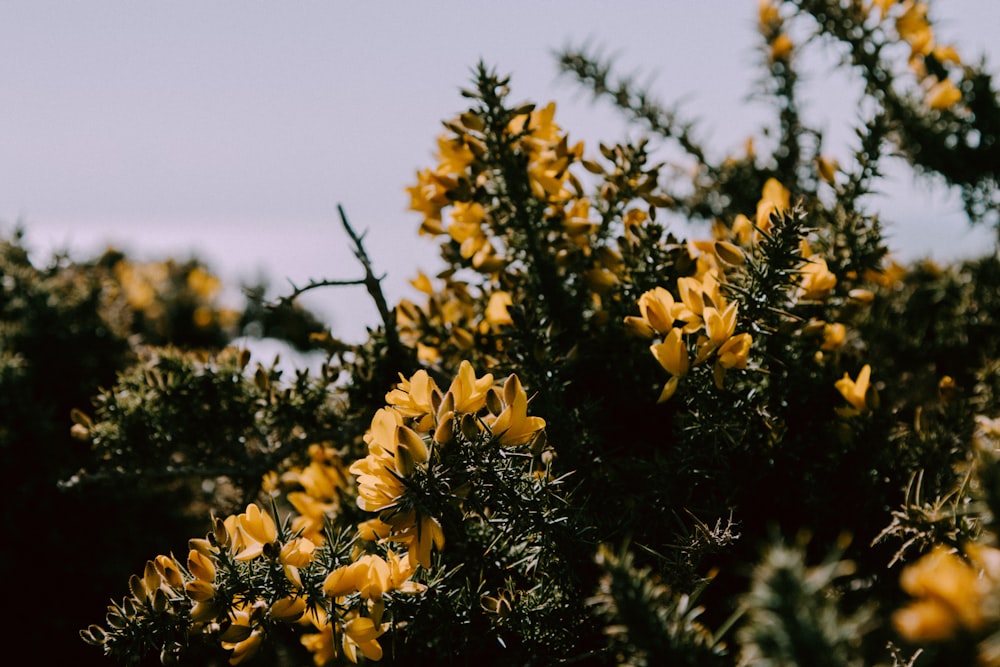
(949, 595)
(496, 309)
(672, 353)
(657, 307)
(412, 397)
(817, 280)
(913, 27)
(775, 198)
(513, 426)
(834, 335)
(943, 95)
(467, 391)
(855, 391)
(257, 529)
(288, 609)
(361, 634)
(781, 47)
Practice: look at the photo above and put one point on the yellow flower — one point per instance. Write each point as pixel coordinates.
(913, 27)
(467, 391)
(369, 576)
(855, 391)
(202, 568)
(257, 529)
(775, 198)
(513, 426)
(169, 571)
(429, 533)
(361, 633)
(496, 309)
(288, 609)
(720, 325)
(454, 156)
(735, 351)
(827, 168)
(833, 336)
(767, 14)
(781, 47)
(949, 595)
(672, 353)
(296, 553)
(657, 307)
(413, 397)
(817, 280)
(245, 649)
(943, 95)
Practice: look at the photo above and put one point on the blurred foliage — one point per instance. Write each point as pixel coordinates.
(587, 440)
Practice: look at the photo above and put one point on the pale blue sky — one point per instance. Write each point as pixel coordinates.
(234, 128)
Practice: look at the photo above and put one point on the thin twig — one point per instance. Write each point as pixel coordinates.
(313, 284)
(373, 284)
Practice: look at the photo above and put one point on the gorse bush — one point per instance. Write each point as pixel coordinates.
(588, 440)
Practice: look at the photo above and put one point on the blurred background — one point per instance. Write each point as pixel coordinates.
(232, 130)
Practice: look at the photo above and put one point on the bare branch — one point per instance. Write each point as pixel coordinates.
(373, 284)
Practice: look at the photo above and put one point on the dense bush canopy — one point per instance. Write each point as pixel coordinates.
(591, 441)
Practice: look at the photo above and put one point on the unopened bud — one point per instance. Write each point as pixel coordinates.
(494, 403)
(469, 427)
(445, 430)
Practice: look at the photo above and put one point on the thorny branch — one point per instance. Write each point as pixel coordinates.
(372, 283)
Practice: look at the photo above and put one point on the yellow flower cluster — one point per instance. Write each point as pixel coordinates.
(318, 487)
(771, 26)
(148, 286)
(952, 596)
(913, 27)
(702, 313)
(168, 587)
(468, 223)
(403, 440)
(451, 320)
(370, 576)
(856, 392)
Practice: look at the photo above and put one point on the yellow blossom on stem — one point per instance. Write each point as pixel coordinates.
(943, 95)
(257, 529)
(949, 595)
(496, 309)
(817, 280)
(913, 27)
(855, 391)
(657, 307)
(245, 649)
(734, 353)
(672, 353)
(775, 198)
(513, 426)
(288, 609)
(361, 634)
(413, 397)
(781, 47)
(833, 336)
(467, 391)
